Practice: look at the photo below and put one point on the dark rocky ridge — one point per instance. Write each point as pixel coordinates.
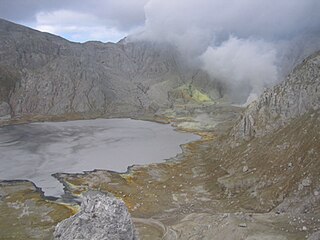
(47, 75)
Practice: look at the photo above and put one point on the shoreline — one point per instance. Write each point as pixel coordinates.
(182, 193)
(73, 199)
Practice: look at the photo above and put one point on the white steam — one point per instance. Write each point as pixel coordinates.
(262, 43)
(239, 62)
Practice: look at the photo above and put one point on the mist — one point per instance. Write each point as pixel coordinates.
(242, 64)
(246, 44)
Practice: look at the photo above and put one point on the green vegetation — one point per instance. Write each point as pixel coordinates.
(24, 214)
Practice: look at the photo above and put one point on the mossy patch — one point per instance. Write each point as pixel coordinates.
(25, 214)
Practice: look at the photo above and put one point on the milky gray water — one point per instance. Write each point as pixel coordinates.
(37, 150)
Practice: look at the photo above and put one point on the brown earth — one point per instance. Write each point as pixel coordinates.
(266, 188)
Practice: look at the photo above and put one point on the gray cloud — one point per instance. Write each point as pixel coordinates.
(251, 43)
(240, 42)
(121, 13)
(78, 20)
(270, 20)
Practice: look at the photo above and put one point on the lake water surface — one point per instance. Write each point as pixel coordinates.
(35, 151)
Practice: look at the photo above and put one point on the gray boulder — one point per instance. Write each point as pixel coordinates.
(5, 111)
(315, 236)
(102, 216)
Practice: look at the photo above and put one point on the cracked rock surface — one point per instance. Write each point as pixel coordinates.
(43, 74)
(277, 106)
(102, 216)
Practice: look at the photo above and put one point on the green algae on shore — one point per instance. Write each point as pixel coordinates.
(25, 214)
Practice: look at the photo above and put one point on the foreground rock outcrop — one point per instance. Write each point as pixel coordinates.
(102, 216)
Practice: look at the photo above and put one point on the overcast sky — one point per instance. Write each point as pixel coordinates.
(78, 20)
(238, 41)
(111, 20)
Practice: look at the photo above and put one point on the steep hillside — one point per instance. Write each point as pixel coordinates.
(272, 154)
(46, 75)
(263, 172)
(258, 186)
(297, 95)
(259, 181)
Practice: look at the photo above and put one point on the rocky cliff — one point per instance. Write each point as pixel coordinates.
(48, 75)
(276, 107)
(102, 216)
(277, 168)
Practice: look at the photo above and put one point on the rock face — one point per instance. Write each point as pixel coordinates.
(282, 148)
(315, 236)
(102, 216)
(298, 94)
(48, 75)
(5, 110)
